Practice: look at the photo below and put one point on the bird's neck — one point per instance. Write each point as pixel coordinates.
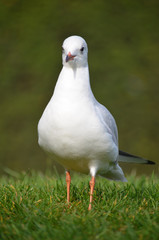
(74, 81)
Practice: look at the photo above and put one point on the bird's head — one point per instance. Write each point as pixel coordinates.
(74, 52)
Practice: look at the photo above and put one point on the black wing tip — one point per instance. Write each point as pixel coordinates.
(150, 162)
(127, 154)
(130, 155)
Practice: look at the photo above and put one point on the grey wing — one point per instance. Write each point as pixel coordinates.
(108, 120)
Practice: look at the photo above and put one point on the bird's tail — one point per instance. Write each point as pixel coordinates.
(129, 158)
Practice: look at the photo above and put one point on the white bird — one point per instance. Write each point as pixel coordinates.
(75, 129)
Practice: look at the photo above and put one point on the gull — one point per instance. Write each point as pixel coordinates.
(75, 129)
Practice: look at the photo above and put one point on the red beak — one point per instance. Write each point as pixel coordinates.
(70, 57)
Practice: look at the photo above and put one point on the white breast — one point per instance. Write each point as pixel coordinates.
(71, 129)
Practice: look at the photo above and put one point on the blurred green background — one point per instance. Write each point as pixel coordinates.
(123, 41)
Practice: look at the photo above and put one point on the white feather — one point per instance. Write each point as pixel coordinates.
(74, 128)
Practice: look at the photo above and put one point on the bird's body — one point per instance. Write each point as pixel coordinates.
(75, 128)
(78, 130)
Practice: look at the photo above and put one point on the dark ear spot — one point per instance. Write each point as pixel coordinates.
(82, 49)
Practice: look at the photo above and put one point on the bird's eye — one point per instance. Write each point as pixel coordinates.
(82, 49)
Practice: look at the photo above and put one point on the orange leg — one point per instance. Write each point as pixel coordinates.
(68, 181)
(91, 183)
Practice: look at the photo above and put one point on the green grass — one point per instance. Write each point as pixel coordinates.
(33, 206)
